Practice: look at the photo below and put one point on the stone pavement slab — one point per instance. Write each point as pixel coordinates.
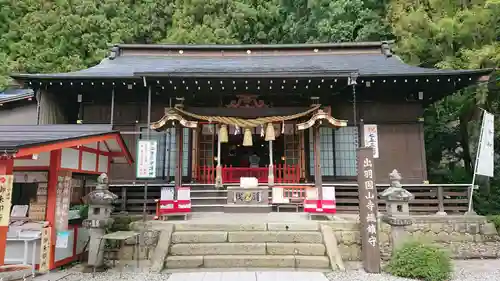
(249, 276)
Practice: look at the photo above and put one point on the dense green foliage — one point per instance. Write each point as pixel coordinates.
(66, 35)
(420, 261)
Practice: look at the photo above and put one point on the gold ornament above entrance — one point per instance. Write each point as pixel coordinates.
(318, 118)
(168, 120)
(247, 101)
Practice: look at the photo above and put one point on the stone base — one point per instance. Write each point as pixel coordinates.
(471, 213)
(241, 208)
(175, 216)
(90, 269)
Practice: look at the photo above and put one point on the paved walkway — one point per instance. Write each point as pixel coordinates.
(249, 276)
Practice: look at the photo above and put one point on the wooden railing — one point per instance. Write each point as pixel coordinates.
(429, 198)
(230, 174)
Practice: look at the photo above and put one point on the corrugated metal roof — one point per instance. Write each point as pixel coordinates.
(132, 66)
(13, 137)
(11, 95)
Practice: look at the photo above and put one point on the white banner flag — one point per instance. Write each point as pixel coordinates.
(486, 153)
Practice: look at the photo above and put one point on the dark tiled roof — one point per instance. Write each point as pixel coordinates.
(329, 64)
(13, 137)
(11, 95)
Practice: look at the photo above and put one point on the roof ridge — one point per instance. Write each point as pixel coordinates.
(368, 44)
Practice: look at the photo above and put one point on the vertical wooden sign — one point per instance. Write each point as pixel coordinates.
(64, 180)
(6, 182)
(368, 210)
(45, 249)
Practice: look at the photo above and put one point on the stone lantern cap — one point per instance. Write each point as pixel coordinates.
(101, 195)
(396, 192)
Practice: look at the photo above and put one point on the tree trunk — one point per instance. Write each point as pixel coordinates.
(464, 139)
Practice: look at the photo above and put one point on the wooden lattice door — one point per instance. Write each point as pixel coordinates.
(292, 153)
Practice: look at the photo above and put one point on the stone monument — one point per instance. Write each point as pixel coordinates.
(100, 206)
(248, 197)
(397, 209)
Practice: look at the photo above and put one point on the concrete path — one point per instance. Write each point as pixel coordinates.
(249, 276)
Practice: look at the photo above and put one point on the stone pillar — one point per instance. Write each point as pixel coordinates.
(368, 210)
(397, 209)
(100, 206)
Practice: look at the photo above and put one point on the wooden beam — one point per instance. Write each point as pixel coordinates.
(6, 169)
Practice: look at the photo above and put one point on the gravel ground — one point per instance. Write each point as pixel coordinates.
(467, 270)
(115, 276)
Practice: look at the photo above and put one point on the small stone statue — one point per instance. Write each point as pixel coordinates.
(396, 192)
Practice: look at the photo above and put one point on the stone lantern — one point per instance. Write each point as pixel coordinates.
(397, 208)
(396, 197)
(100, 206)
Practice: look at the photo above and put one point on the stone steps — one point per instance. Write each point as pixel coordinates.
(207, 198)
(257, 245)
(194, 249)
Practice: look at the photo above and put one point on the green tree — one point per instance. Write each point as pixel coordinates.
(454, 35)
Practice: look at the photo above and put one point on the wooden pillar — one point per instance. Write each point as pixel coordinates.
(218, 168)
(302, 155)
(195, 159)
(6, 171)
(318, 181)
(270, 175)
(50, 215)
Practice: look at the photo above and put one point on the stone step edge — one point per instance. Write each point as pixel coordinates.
(250, 226)
(227, 261)
(231, 237)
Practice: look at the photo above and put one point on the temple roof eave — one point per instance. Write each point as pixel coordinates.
(137, 76)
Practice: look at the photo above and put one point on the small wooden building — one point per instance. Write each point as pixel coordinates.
(380, 98)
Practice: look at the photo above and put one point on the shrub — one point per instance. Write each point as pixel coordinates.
(122, 223)
(495, 220)
(420, 261)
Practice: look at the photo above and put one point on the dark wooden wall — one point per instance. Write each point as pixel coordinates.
(400, 136)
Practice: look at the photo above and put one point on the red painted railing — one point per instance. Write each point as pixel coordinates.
(230, 174)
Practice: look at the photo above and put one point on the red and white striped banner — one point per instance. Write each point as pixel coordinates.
(320, 206)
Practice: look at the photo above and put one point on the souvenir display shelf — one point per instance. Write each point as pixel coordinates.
(27, 222)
